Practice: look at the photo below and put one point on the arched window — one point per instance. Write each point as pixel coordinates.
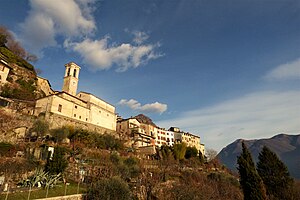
(74, 74)
(69, 70)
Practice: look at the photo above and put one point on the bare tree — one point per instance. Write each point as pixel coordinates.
(210, 154)
(7, 39)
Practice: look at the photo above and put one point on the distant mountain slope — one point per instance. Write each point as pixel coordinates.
(287, 148)
(144, 119)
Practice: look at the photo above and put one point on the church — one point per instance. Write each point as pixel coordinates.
(81, 110)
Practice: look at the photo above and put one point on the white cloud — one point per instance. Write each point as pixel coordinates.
(257, 115)
(49, 19)
(286, 71)
(100, 55)
(148, 108)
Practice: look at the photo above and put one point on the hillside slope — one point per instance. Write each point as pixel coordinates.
(287, 148)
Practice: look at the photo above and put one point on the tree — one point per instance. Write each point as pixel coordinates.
(8, 40)
(250, 181)
(211, 154)
(191, 152)
(179, 151)
(274, 174)
(40, 127)
(58, 163)
(113, 189)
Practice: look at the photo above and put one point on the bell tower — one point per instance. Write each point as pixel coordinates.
(71, 78)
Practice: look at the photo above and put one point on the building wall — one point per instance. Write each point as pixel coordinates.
(4, 70)
(43, 85)
(73, 108)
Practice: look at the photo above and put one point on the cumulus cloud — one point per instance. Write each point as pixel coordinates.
(102, 55)
(257, 115)
(147, 108)
(286, 71)
(49, 19)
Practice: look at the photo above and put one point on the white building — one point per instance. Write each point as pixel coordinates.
(84, 108)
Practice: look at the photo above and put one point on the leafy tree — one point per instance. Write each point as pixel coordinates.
(201, 157)
(3, 40)
(40, 127)
(58, 163)
(113, 189)
(179, 151)
(250, 181)
(274, 174)
(59, 134)
(191, 152)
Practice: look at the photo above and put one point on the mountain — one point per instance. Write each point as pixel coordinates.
(144, 119)
(287, 148)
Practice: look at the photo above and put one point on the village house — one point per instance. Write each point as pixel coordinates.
(190, 139)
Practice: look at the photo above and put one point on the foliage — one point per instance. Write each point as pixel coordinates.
(95, 140)
(59, 134)
(274, 174)
(41, 127)
(13, 58)
(8, 40)
(250, 181)
(125, 168)
(193, 185)
(58, 163)
(191, 152)
(201, 157)
(7, 149)
(41, 178)
(112, 189)
(25, 91)
(179, 150)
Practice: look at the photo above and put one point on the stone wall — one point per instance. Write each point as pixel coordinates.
(69, 197)
(56, 121)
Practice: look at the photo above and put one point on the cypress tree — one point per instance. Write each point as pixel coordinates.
(250, 181)
(274, 174)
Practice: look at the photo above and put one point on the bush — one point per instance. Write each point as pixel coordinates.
(191, 152)
(112, 189)
(7, 149)
(58, 163)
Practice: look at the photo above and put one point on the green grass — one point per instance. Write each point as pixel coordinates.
(58, 190)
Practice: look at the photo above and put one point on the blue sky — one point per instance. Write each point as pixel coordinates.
(220, 69)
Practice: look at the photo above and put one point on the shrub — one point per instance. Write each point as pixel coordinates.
(7, 149)
(58, 163)
(112, 189)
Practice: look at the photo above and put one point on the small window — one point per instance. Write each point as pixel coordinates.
(75, 107)
(86, 119)
(74, 115)
(69, 70)
(59, 108)
(79, 117)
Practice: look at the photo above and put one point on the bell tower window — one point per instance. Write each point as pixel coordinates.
(74, 73)
(69, 70)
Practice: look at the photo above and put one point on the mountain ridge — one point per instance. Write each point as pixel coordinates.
(286, 147)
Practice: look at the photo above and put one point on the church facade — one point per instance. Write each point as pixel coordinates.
(83, 109)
